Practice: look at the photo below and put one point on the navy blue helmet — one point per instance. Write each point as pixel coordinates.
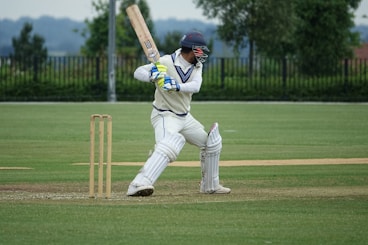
(196, 42)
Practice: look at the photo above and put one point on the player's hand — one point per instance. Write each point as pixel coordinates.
(170, 84)
(158, 73)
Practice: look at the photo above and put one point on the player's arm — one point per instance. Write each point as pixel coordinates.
(193, 86)
(143, 73)
(150, 73)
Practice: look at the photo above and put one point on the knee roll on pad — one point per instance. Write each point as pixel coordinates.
(171, 145)
(214, 140)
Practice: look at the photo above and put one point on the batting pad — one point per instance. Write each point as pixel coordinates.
(214, 140)
(171, 146)
(210, 157)
(166, 151)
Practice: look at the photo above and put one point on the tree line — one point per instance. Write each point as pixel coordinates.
(315, 32)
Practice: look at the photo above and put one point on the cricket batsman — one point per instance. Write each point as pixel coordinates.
(177, 77)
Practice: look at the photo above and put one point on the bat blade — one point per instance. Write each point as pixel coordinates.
(144, 35)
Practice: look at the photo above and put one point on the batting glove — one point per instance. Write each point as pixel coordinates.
(170, 84)
(158, 73)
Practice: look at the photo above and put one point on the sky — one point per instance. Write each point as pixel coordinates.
(82, 9)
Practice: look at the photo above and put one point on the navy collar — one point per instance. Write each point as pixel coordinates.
(183, 75)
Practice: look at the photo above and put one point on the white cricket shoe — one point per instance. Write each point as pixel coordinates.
(143, 191)
(219, 190)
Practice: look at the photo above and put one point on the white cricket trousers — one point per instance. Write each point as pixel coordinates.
(167, 122)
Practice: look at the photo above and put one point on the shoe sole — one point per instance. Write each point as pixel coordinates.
(215, 193)
(142, 193)
(220, 192)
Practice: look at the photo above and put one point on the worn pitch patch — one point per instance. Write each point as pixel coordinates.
(323, 161)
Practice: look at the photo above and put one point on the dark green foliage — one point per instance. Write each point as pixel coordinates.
(127, 42)
(97, 31)
(170, 42)
(323, 36)
(317, 32)
(28, 50)
(85, 79)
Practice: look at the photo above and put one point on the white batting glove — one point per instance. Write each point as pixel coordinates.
(170, 84)
(158, 73)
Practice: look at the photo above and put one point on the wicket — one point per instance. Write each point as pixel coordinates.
(101, 125)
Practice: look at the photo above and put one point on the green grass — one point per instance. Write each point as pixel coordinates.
(251, 222)
(59, 133)
(320, 204)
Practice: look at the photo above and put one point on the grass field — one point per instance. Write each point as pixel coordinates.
(302, 204)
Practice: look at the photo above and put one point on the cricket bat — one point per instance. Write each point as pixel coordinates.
(144, 36)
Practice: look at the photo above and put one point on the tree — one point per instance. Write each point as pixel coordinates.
(324, 35)
(127, 41)
(271, 25)
(96, 33)
(265, 24)
(170, 42)
(29, 49)
(317, 32)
